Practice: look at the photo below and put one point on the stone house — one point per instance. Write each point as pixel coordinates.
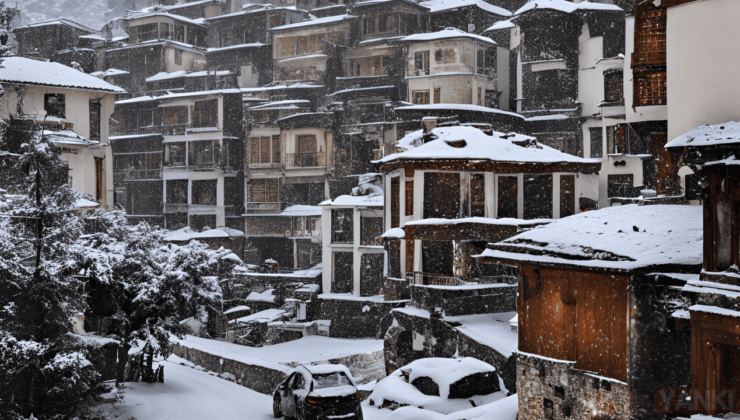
(472, 16)
(191, 154)
(596, 296)
(73, 108)
(451, 66)
(54, 39)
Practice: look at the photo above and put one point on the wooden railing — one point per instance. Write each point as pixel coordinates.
(428, 279)
(650, 58)
(305, 160)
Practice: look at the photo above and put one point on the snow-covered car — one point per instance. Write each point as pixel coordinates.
(321, 392)
(440, 385)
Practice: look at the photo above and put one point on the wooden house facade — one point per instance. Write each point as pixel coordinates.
(597, 293)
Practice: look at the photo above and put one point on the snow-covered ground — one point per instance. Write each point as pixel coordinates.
(191, 394)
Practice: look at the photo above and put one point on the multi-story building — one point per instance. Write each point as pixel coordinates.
(62, 41)
(74, 109)
(184, 166)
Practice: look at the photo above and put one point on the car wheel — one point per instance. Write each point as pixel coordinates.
(276, 407)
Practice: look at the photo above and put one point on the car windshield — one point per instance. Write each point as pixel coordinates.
(328, 380)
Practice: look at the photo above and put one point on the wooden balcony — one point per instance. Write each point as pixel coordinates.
(428, 279)
(650, 58)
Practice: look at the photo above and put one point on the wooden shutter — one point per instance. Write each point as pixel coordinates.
(567, 195)
(409, 198)
(275, 149)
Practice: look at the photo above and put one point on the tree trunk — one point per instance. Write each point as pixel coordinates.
(122, 362)
(149, 370)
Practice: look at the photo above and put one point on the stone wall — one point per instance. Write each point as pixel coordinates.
(258, 378)
(441, 339)
(456, 301)
(358, 318)
(551, 389)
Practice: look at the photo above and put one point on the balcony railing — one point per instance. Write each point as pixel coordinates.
(305, 160)
(145, 174)
(341, 237)
(428, 279)
(175, 208)
(175, 129)
(649, 58)
(263, 207)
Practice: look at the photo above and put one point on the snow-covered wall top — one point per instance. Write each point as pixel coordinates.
(21, 70)
(621, 237)
(448, 33)
(565, 6)
(709, 135)
(499, 147)
(444, 5)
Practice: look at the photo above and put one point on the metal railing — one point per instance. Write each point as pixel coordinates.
(305, 160)
(263, 207)
(175, 208)
(342, 237)
(428, 279)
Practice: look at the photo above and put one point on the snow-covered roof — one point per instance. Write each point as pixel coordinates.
(199, 21)
(478, 145)
(502, 24)
(268, 315)
(394, 233)
(621, 237)
(457, 107)
(709, 135)
(168, 43)
(60, 22)
(295, 210)
(350, 200)
(236, 47)
(280, 87)
(182, 73)
(265, 296)
(566, 6)
(178, 6)
(237, 309)
(448, 33)
(715, 310)
(505, 221)
(68, 137)
(109, 72)
(313, 22)
(84, 203)
(171, 95)
(444, 5)
(23, 71)
(186, 234)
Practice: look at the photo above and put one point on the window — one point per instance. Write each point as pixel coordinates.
(508, 197)
(409, 198)
(371, 274)
(175, 115)
(369, 23)
(385, 23)
(477, 195)
(205, 114)
(174, 154)
(54, 105)
(421, 61)
(615, 142)
(395, 202)
(204, 192)
(444, 56)
(564, 141)
(138, 161)
(204, 153)
(179, 34)
(371, 228)
(621, 186)
(177, 191)
(343, 281)
(410, 256)
(651, 31)
(537, 196)
(437, 257)
(441, 195)
(613, 92)
(567, 195)
(264, 190)
(342, 226)
(420, 97)
(480, 98)
(481, 62)
(94, 120)
(597, 142)
(650, 88)
(264, 149)
(273, 21)
(438, 95)
(99, 178)
(178, 57)
(164, 31)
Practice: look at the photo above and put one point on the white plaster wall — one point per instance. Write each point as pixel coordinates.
(590, 80)
(502, 77)
(703, 64)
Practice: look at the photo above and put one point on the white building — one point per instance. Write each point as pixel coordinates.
(72, 106)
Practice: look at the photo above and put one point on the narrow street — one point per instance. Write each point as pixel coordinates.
(191, 394)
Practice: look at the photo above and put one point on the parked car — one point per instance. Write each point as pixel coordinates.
(320, 392)
(439, 384)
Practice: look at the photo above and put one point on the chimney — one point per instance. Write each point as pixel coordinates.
(429, 124)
